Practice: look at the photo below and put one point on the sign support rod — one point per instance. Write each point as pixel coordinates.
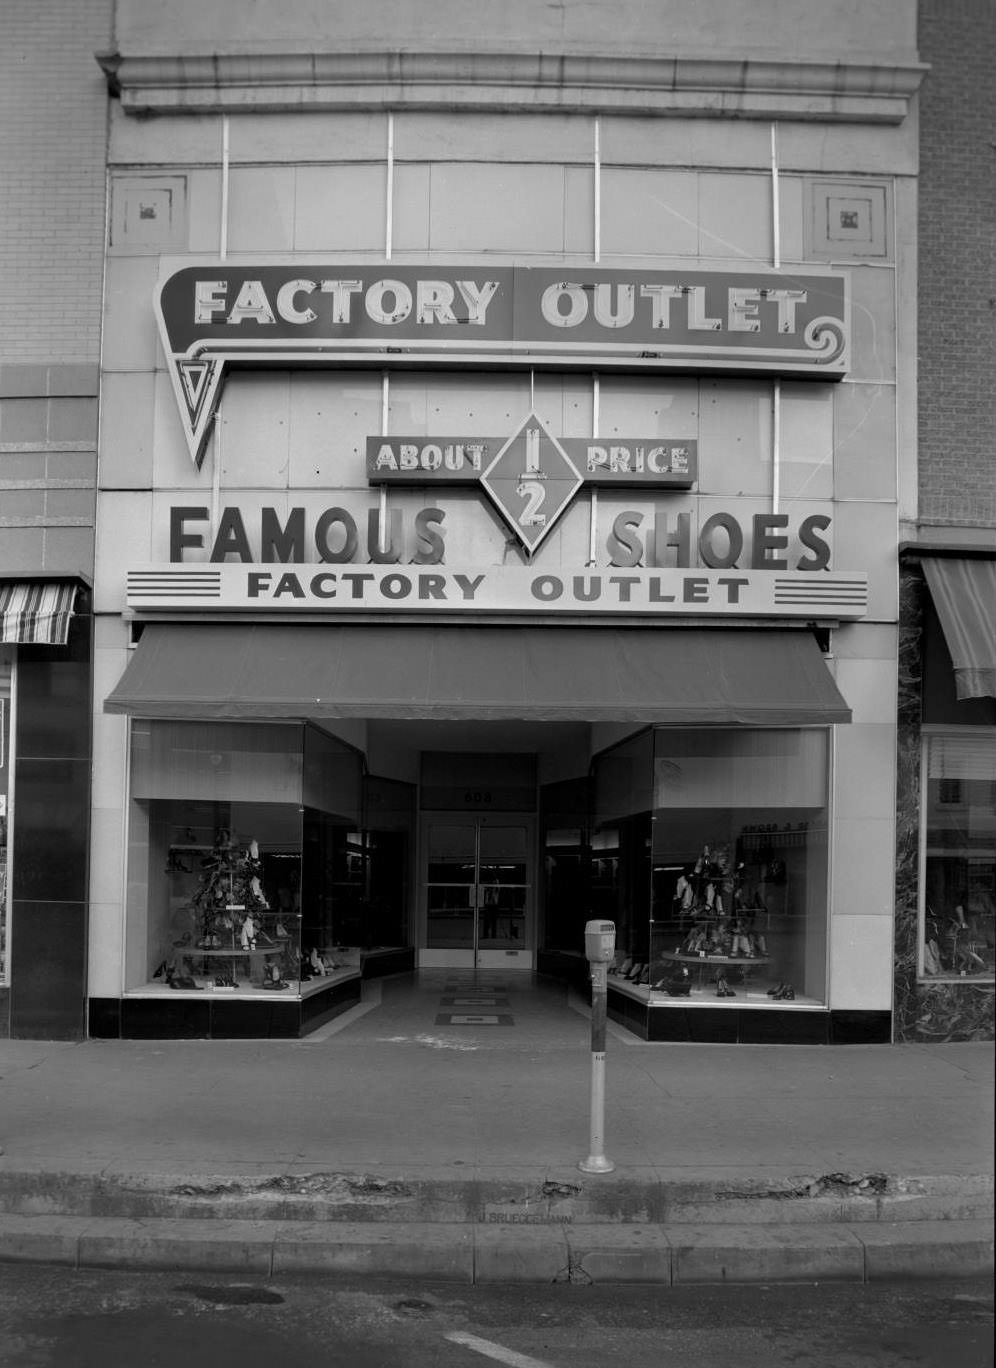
(776, 396)
(598, 190)
(389, 209)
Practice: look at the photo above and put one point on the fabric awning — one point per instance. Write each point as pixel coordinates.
(671, 675)
(964, 594)
(36, 611)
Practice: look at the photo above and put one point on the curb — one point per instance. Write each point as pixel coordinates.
(474, 1253)
(551, 1198)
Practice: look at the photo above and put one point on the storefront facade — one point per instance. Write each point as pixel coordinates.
(52, 166)
(498, 522)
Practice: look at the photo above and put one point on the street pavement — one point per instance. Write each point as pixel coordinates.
(402, 1139)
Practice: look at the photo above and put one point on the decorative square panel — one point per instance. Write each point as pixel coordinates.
(148, 214)
(848, 219)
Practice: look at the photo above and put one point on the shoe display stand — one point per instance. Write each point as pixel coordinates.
(229, 938)
(714, 932)
(711, 964)
(258, 960)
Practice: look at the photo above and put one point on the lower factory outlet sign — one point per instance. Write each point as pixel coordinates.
(501, 589)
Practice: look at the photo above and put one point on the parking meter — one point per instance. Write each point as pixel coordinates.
(600, 950)
(600, 941)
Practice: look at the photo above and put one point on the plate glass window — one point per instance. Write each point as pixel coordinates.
(958, 852)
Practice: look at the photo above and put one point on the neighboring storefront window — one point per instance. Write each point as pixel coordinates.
(710, 852)
(958, 851)
(6, 786)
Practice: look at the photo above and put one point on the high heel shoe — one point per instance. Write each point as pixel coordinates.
(785, 994)
(776, 991)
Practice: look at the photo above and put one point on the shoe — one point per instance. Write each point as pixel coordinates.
(776, 991)
(785, 994)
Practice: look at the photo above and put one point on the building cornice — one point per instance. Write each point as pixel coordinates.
(872, 91)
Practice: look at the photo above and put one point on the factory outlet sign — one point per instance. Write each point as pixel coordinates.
(306, 562)
(341, 561)
(513, 590)
(305, 314)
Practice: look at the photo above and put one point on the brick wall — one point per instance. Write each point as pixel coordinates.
(53, 112)
(957, 293)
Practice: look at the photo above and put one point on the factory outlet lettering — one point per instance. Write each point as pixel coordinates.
(766, 541)
(564, 304)
(464, 588)
(516, 590)
(310, 314)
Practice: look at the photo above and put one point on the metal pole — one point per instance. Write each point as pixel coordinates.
(596, 1161)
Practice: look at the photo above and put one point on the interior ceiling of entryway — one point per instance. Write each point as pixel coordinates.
(562, 749)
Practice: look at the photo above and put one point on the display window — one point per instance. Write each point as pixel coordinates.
(958, 854)
(710, 852)
(565, 813)
(249, 868)
(6, 785)
(389, 836)
(622, 820)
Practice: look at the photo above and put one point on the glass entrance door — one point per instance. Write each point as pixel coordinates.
(477, 893)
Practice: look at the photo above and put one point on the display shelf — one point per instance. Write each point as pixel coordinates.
(736, 961)
(196, 952)
(706, 963)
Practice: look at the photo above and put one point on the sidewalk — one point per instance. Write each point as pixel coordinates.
(394, 1140)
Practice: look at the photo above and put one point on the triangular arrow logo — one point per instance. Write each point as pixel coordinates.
(196, 385)
(193, 377)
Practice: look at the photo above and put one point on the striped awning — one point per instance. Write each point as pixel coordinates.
(36, 612)
(964, 594)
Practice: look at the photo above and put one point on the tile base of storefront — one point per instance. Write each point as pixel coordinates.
(184, 1017)
(797, 1025)
(753, 1026)
(763, 1026)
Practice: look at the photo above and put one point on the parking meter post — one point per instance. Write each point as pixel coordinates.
(600, 949)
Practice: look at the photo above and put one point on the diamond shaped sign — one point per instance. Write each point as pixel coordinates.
(531, 481)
